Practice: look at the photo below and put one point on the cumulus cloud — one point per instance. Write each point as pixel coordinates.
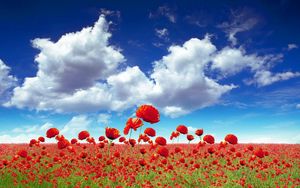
(7, 81)
(181, 85)
(66, 68)
(80, 73)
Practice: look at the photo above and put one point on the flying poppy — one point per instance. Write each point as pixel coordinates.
(231, 139)
(199, 132)
(83, 135)
(52, 132)
(148, 113)
(182, 129)
(150, 132)
(112, 133)
(161, 141)
(209, 139)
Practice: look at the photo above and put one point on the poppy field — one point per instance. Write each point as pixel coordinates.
(117, 160)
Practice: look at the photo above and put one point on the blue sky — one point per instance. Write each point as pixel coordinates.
(226, 67)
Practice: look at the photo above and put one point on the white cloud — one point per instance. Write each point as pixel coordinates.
(241, 21)
(191, 130)
(7, 81)
(25, 134)
(230, 61)
(130, 87)
(269, 138)
(81, 73)
(174, 111)
(104, 118)
(68, 67)
(264, 77)
(166, 12)
(162, 33)
(75, 125)
(292, 46)
(20, 138)
(181, 85)
(298, 106)
(107, 12)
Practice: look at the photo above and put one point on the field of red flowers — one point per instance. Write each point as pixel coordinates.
(113, 160)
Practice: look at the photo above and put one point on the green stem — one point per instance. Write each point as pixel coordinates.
(108, 149)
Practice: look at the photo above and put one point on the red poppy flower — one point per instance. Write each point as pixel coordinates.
(122, 139)
(74, 141)
(32, 142)
(52, 132)
(132, 142)
(142, 162)
(126, 130)
(112, 133)
(210, 150)
(23, 153)
(190, 137)
(150, 132)
(161, 141)
(41, 139)
(163, 151)
(199, 132)
(143, 150)
(209, 139)
(63, 144)
(83, 135)
(148, 113)
(174, 134)
(177, 149)
(182, 129)
(259, 153)
(134, 123)
(231, 139)
(101, 138)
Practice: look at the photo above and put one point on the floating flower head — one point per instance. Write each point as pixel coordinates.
(148, 113)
